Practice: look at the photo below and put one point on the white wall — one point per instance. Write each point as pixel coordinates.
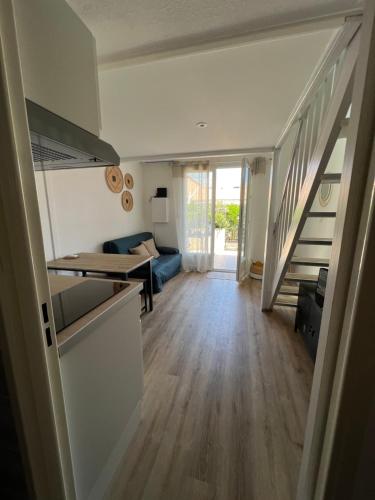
(83, 211)
(159, 175)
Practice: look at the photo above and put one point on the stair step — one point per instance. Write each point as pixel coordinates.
(315, 241)
(330, 178)
(289, 290)
(298, 277)
(321, 214)
(286, 300)
(310, 261)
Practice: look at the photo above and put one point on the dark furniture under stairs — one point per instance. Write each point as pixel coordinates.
(309, 316)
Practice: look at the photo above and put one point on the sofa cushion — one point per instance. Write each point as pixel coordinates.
(163, 269)
(140, 250)
(167, 266)
(151, 248)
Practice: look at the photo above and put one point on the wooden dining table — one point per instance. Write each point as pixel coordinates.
(106, 263)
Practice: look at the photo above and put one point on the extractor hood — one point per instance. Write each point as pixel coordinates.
(58, 144)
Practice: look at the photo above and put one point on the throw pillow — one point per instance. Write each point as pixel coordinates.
(150, 245)
(140, 250)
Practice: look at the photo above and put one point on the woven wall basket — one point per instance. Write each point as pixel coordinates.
(129, 181)
(127, 201)
(114, 179)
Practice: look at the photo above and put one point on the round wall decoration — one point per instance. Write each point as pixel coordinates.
(129, 181)
(127, 201)
(325, 194)
(114, 179)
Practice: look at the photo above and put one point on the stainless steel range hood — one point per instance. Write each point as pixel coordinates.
(58, 144)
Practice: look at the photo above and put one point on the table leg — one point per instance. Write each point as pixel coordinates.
(145, 295)
(150, 287)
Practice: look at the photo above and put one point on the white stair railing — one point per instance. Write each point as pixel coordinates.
(316, 126)
(309, 127)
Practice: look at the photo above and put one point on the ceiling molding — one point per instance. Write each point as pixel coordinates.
(199, 154)
(255, 36)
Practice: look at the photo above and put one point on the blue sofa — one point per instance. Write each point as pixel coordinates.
(163, 268)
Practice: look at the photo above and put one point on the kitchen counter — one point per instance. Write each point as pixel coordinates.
(72, 333)
(101, 368)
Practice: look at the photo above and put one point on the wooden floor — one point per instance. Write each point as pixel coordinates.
(226, 397)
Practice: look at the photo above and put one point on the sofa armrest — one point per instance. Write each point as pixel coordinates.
(109, 247)
(168, 250)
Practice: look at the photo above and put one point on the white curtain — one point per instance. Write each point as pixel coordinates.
(192, 187)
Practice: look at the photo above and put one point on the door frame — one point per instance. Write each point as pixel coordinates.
(31, 365)
(350, 423)
(245, 164)
(213, 213)
(215, 168)
(342, 329)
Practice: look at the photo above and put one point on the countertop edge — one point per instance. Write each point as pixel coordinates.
(75, 332)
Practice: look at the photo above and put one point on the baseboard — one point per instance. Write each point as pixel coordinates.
(104, 480)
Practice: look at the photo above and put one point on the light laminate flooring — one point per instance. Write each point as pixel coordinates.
(225, 401)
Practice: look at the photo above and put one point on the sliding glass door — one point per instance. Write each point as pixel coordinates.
(225, 214)
(211, 214)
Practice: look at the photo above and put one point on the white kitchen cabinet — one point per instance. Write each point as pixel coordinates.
(58, 61)
(102, 378)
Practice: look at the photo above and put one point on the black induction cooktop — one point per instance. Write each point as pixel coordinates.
(75, 302)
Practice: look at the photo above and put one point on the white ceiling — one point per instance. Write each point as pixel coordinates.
(131, 28)
(245, 94)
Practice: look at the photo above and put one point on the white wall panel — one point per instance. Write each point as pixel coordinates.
(83, 211)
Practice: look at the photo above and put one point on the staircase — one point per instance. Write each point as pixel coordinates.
(289, 290)
(305, 148)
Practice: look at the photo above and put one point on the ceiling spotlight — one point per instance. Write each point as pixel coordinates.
(201, 124)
